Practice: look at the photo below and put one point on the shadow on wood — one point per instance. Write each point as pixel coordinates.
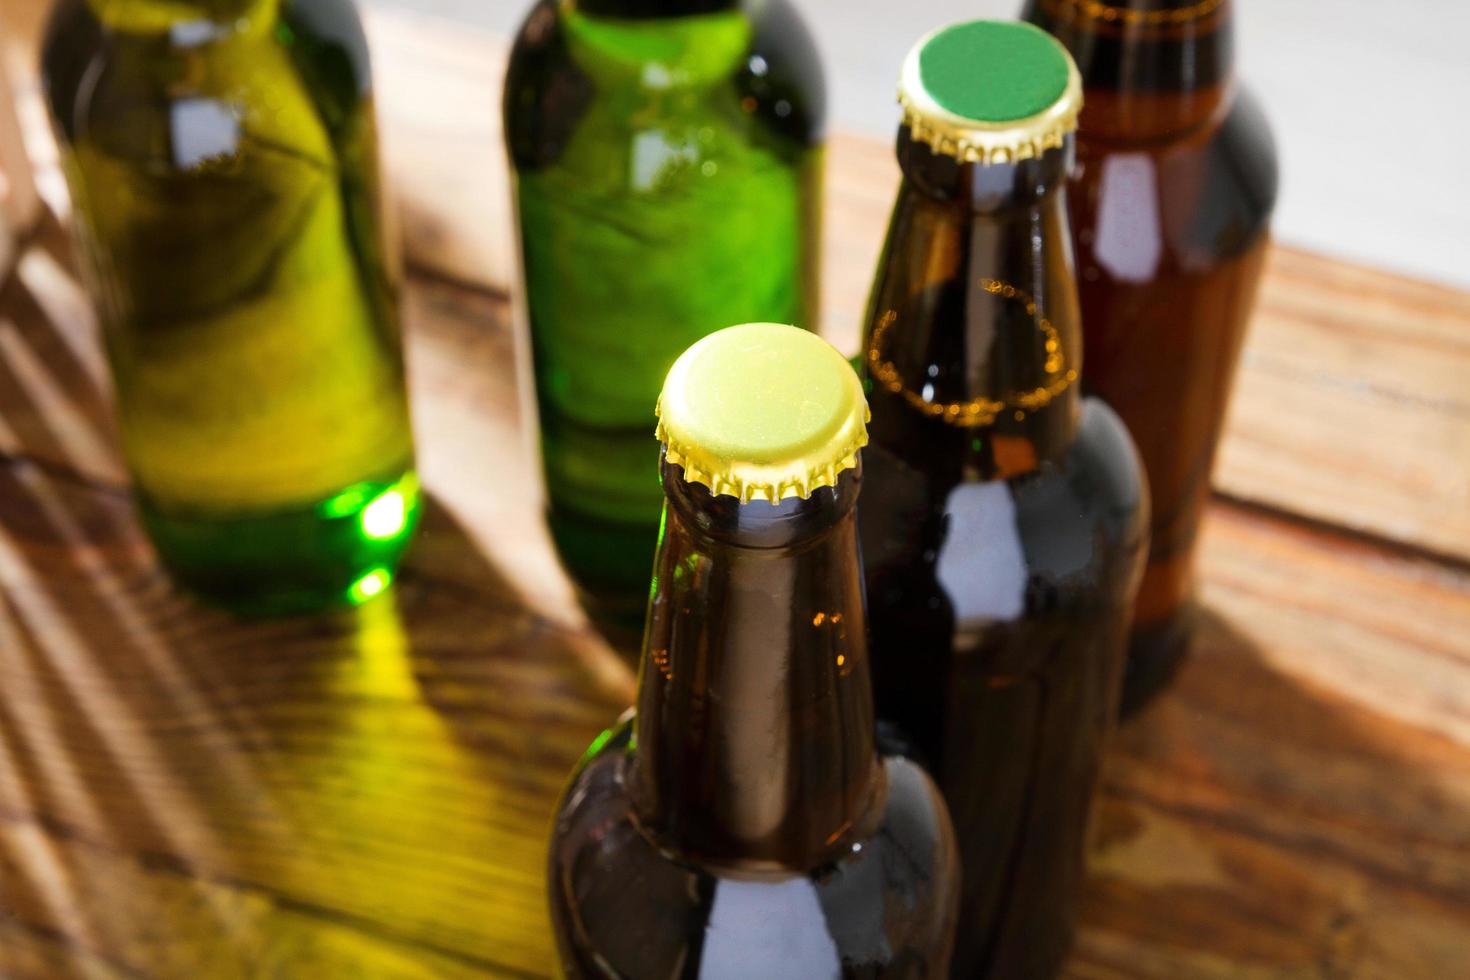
(366, 791)
(1250, 819)
(54, 406)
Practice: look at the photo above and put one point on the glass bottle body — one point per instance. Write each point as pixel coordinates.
(221, 158)
(1170, 205)
(768, 837)
(667, 183)
(1003, 531)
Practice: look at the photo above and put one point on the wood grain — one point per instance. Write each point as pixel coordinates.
(360, 794)
(1353, 404)
(19, 203)
(368, 793)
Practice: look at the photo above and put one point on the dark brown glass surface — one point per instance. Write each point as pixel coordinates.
(1003, 527)
(1170, 200)
(742, 824)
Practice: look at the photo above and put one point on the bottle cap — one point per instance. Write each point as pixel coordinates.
(990, 91)
(762, 412)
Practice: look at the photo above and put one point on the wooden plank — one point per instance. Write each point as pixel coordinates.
(37, 953)
(19, 202)
(294, 768)
(1253, 820)
(1302, 796)
(438, 92)
(368, 793)
(371, 787)
(1353, 405)
(178, 923)
(24, 21)
(251, 793)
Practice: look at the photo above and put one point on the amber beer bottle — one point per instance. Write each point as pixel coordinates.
(1170, 201)
(741, 824)
(1004, 521)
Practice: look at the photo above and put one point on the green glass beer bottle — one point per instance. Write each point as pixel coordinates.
(1170, 202)
(742, 823)
(667, 182)
(1004, 520)
(221, 157)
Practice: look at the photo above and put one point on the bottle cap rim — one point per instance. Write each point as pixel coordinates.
(1008, 116)
(762, 411)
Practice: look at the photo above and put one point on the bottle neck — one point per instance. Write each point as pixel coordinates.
(755, 715)
(1151, 69)
(973, 352)
(650, 9)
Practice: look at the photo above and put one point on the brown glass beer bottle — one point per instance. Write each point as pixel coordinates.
(1004, 521)
(1170, 202)
(741, 824)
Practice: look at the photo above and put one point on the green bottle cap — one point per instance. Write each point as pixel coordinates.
(990, 91)
(762, 411)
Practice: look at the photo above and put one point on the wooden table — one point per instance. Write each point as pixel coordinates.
(367, 794)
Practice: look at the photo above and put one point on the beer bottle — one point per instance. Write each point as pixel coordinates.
(1004, 520)
(221, 157)
(741, 824)
(1170, 202)
(666, 156)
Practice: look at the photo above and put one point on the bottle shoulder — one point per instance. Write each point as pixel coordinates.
(91, 71)
(765, 40)
(1095, 483)
(333, 29)
(1107, 472)
(755, 64)
(625, 906)
(784, 74)
(1139, 209)
(72, 42)
(1247, 137)
(1069, 535)
(1075, 519)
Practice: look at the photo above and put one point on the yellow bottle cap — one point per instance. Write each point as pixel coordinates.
(762, 412)
(990, 91)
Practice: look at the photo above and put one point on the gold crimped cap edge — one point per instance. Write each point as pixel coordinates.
(772, 482)
(798, 474)
(973, 141)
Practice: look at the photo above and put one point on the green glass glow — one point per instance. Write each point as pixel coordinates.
(371, 584)
(290, 560)
(598, 744)
(386, 517)
(221, 156)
